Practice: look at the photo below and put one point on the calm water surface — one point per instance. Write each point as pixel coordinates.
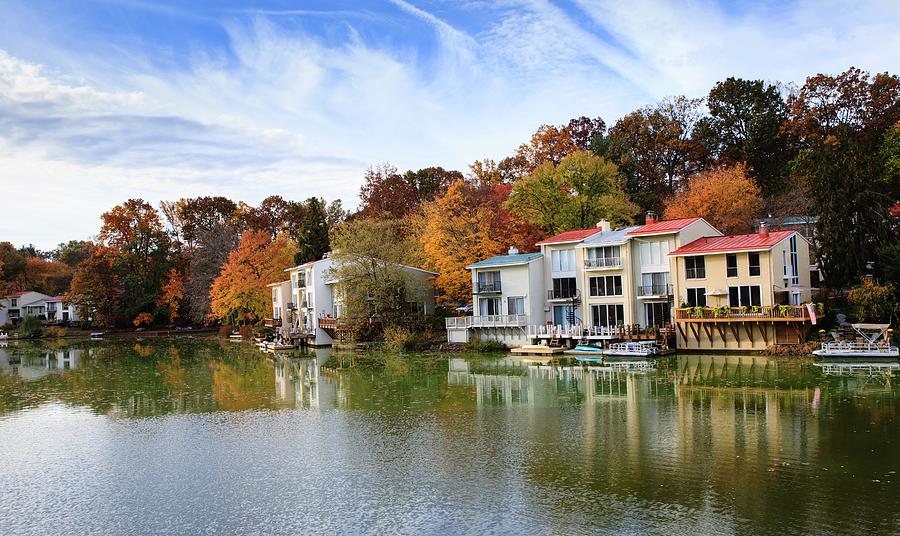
(208, 436)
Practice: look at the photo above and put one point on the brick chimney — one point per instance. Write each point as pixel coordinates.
(603, 225)
(763, 229)
(651, 217)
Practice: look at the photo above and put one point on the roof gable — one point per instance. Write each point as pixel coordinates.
(506, 260)
(569, 236)
(733, 243)
(663, 227)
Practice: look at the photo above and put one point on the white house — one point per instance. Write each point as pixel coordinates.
(282, 307)
(508, 294)
(318, 302)
(59, 311)
(18, 305)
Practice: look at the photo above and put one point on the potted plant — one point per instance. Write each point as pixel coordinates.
(743, 310)
(784, 310)
(698, 312)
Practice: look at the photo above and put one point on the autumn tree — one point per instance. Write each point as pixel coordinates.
(171, 294)
(553, 143)
(49, 277)
(655, 149)
(190, 217)
(745, 126)
(73, 252)
(97, 288)
(454, 232)
(386, 193)
(583, 189)
(726, 197)
(239, 293)
(13, 262)
(841, 123)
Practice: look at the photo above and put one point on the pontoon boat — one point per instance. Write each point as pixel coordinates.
(874, 343)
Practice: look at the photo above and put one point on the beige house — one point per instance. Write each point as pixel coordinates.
(742, 292)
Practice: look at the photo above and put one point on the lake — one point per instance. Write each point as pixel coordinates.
(208, 436)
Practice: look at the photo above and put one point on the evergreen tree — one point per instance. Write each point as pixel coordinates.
(313, 232)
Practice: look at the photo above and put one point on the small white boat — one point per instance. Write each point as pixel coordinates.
(3, 335)
(97, 335)
(873, 344)
(631, 349)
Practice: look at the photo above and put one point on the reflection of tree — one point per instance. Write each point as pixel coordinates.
(173, 373)
(242, 385)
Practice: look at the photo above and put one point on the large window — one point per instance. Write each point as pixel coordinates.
(610, 285)
(696, 297)
(744, 295)
(515, 305)
(654, 284)
(658, 314)
(655, 253)
(753, 263)
(795, 269)
(563, 287)
(489, 306)
(695, 267)
(562, 260)
(603, 257)
(489, 281)
(731, 265)
(608, 315)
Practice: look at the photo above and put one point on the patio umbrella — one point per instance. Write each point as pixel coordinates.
(717, 292)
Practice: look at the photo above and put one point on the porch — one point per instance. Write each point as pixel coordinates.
(741, 328)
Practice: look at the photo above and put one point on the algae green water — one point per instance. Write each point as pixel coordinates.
(208, 436)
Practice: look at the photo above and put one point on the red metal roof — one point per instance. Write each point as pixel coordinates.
(570, 236)
(723, 244)
(663, 227)
(16, 294)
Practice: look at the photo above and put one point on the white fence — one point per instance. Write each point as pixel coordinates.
(488, 321)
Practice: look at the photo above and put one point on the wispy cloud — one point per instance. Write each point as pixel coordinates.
(299, 102)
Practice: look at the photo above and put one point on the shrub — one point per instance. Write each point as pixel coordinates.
(225, 330)
(246, 331)
(401, 339)
(56, 331)
(485, 347)
(30, 328)
(874, 302)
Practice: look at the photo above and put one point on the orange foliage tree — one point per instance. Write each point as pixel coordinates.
(171, 294)
(726, 197)
(239, 293)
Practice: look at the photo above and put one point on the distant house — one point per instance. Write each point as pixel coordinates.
(282, 307)
(50, 309)
(18, 305)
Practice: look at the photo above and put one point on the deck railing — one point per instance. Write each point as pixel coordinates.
(765, 312)
(488, 288)
(603, 262)
(563, 294)
(273, 322)
(654, 290)
(487, 321)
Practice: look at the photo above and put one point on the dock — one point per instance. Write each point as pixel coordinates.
(538, 349)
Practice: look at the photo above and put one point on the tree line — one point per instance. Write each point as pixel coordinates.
(749, 149)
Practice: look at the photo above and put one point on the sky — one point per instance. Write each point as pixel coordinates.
(106, 100)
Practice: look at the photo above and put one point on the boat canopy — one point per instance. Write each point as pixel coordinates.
(879, 327)
(871, 332)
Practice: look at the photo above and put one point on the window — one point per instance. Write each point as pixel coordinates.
(489, 281)
(489, 306)
(610, 285)
(695, 267)
(277, 314)
(515, 306)
(744, 296)
(563, 287)
(608, 315)
(696, 297)
(14, 302)
(731, 265)
(795, 269)
(603, 257)
(274, 295)
(654, 253)
(654, 284)
(753, 263)
(564, 315)
(562, 260)
(658, 314)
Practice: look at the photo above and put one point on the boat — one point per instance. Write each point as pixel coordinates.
(97, 335)
(631, 349)
(874, 343)
(3, 335)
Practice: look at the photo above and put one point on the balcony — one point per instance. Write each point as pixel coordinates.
(573, 295)
(488, 288)
(602, 262)
(487, 321)
(654, 291)
(765, 313)
(291, 306)
(273, 322)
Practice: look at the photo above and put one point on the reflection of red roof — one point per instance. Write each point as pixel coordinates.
(723, 244)
(570, 236)
(663, 227)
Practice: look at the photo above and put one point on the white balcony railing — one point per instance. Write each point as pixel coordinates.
(603, 262)
(487, 321)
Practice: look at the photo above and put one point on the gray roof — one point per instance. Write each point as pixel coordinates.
(613, 237)
(506, 260)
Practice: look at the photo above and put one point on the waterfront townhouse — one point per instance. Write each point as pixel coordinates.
(652, 267)
(319, 306)
(58, 311)
(563, 269)
(743, 292)
(605, 261)
(507, 295)
(18, 305)
(283, 308)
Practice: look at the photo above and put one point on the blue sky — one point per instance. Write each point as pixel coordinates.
(102, 100)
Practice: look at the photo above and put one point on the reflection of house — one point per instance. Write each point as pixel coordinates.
(300, 383)
(319, 308)
(742, 292)
(28, 366)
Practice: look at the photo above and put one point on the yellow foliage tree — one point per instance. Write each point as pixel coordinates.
(171, 294)
(455, 233)
(143, 319)
(239, 293)
(725, 197)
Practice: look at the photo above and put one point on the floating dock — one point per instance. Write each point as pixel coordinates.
(537, 349)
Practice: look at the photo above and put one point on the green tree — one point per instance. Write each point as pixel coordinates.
(314, 242)
(745, 126)
(583, 189)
